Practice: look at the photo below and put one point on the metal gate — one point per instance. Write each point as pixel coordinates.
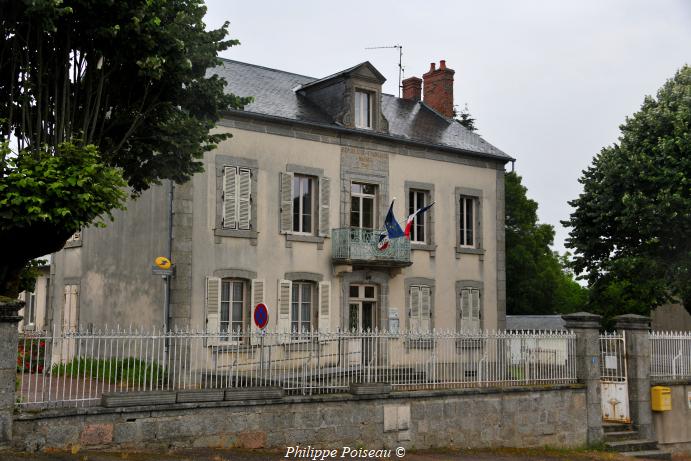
(613, 378)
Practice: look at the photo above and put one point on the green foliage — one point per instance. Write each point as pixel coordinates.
(537, 279)
(127, 371)
(91, 92)
(465, 119)
(631, 225)
(71, 188)
(28, 276)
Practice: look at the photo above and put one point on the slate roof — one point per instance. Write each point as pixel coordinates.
(534, 322)
(274, 95)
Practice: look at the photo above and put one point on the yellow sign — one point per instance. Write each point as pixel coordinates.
(162, 262)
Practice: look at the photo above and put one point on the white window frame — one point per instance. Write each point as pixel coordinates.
(363, 109)
(230, 334)
(360, 196)
(299, 180)
(297, 304)
(418, 220)
(463, 240)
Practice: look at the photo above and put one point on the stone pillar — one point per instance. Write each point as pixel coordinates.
(636, 329)
(587, 329)
(8, 366)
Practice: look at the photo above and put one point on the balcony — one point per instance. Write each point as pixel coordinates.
(355, 246)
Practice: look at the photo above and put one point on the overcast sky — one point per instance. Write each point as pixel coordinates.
(549, 82)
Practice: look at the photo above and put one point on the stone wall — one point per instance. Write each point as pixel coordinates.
(422, 419)
(672, 428)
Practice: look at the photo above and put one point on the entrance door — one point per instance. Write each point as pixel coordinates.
(613, 378)
(362, 310)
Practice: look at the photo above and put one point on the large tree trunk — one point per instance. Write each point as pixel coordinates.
(21, 246)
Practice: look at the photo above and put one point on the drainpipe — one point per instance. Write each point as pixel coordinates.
(169, 255)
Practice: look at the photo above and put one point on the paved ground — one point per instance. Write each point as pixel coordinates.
(237, 455)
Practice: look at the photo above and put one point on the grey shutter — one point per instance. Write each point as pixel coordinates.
(213, 310)
(257, 297)
(286, 218)
(414, 309)
(324, 202)
(324, 306)
(285, 293)
(425, 308)
(244, 198)
(230, 197)
(465, 309)
(475, 309)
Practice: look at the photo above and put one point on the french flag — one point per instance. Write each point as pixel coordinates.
(411, 218)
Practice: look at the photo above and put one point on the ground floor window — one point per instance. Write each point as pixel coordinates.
(302, 309)
(233, 310)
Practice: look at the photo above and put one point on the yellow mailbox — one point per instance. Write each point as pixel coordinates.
(661, 398)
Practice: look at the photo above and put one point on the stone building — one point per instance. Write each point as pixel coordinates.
(289, 210)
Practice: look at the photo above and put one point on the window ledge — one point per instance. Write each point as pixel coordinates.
(469, 251)
(247, 234)
(422, 246)
(304, 238)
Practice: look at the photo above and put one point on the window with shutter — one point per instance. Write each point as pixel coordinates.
(285, 291)
(230, 197)
(237, 198)
(286, 218)
(425, 309)
(244, 199)
(420, 309)
(414, 309)
(257, 297)
(324, 205)
(324, 306)
(470, 309)
(213, 309)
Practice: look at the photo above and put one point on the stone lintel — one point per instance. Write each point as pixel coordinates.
(632, 322)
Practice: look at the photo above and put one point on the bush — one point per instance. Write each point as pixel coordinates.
(115, 371)
(31, 353)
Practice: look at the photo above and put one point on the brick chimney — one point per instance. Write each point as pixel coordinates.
(438, 88)
(412, 88)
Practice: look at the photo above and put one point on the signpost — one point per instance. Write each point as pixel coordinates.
(261, 320)
(163, 267)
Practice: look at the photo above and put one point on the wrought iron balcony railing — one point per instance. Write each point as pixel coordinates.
(353, 245)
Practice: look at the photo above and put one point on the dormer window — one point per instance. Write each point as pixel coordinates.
(363, 109)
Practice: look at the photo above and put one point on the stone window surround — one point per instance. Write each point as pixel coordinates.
(221, 161)
(428, 216)
(460, 284)
(379, 180)
(372, 87)
(477, 195)
(290, 237)
(297, 276)
(415, 281)
(366, 277)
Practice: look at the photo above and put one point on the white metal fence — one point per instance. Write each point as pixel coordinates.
(76, 368)
(670, 355)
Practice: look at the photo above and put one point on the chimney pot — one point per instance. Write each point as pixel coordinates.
(442, 64)
(432, 66)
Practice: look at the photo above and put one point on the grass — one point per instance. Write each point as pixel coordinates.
(115, 371)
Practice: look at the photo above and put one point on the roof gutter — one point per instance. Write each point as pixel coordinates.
(368, 134)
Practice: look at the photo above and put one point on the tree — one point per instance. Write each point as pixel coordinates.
(96, 95)
(631, 224)
(465, 119)
(537, 279)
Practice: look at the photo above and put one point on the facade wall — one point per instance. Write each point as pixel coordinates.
(670, 317)
(434, 419)
(111, 268)
(672, 428)
(271, 255)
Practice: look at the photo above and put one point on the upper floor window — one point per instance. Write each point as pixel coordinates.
(467, 229)
(303, 204)
(363, 205)
(363, 109)
(233, 313)
(416, 200)
(237, 197)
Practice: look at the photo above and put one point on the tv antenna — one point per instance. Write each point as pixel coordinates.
(400, 63)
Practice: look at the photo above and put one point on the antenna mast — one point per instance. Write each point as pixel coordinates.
(400, 63)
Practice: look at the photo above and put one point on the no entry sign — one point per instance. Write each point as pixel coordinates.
(261, 316)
